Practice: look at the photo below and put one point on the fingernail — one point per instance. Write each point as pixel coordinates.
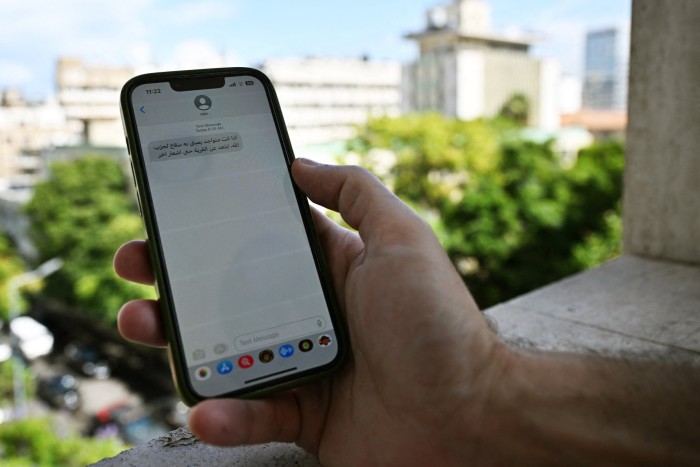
(309, 162)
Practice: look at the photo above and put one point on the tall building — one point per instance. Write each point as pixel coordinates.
(27, 131)
(467, 70)
(89, 95)
(605, 80)
(325, 99)
(85, 112)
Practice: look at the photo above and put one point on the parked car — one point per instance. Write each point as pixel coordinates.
(87, 360)
(171, 410)
(133, 424)
(32, 337)
(60, 391)
(5, 351)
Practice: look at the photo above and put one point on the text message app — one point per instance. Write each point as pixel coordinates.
(237, 257)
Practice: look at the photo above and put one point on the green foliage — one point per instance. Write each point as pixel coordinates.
(508, 212)
(10, 265)
(433, 154)
(516, 109)
(81, 214)
(7, 387)
(603, 245)
(32, 442)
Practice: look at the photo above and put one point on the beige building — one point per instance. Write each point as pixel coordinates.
(468, 71)
(85, 112)
(27, 131)
(603, 124)
(325, 99)
(90, 95)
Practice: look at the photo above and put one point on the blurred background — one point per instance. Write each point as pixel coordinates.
(500, 122)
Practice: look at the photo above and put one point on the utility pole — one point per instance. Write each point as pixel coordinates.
(13, 285)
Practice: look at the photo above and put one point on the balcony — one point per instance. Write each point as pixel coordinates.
(645, 304)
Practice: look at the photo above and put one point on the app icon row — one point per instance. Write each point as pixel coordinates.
(225, 367)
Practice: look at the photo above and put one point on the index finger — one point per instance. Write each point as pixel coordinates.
(131, 262)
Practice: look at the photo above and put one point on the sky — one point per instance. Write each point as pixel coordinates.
(188, 34)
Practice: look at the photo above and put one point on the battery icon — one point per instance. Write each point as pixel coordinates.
(249, 83)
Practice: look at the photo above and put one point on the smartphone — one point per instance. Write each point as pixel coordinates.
(244, 291)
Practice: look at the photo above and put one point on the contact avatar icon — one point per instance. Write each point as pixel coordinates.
(202, 102)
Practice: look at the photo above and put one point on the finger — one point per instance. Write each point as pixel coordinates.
(233, 422)
(361, 199)
(139, 321)
(340, 247)
(131, 262)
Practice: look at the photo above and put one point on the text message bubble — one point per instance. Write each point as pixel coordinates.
(194, 146)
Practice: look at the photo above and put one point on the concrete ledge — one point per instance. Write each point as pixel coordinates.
(181, 448)
(631, 306)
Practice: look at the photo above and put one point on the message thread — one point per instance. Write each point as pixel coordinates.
(195, 146)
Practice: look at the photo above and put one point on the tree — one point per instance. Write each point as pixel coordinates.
(432, 156)
(597, 181)
(506, 216)
(81, 214)
(7, 383)
(10, 265)
(510, 215)
(33, 442)
(516, 109)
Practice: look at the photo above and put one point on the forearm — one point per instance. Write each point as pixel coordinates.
(564, 409)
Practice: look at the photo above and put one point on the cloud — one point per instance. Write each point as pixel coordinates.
(197, 54)
(14, 74)
(565, 41)
(34, 33)
(562, 26)
(200, 12)
(556, 11)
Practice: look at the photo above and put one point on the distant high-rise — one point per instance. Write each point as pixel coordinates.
(605, 80)
(466, 70)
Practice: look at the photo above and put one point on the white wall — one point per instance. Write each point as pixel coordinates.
(471, 71)
(662, 170)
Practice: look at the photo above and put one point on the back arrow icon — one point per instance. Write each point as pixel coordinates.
(141, 109)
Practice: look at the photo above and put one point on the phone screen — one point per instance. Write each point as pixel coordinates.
(247, 297)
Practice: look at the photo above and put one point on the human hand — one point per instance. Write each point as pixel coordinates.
(422, 361)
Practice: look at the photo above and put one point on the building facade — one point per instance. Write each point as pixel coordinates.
(325, 99)
(85, 112)
(466, 70)
(90, 96)
(27, 131)
(606, 69)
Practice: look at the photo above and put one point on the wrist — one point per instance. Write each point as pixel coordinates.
(486, 406)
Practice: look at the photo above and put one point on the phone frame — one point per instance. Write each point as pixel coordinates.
(166, 306)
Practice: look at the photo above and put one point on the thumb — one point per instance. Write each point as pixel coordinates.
(360, 198)
(233, 422)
